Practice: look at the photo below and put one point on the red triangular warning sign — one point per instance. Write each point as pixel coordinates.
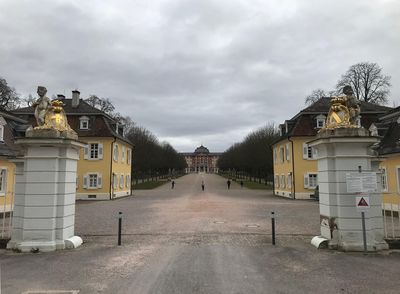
(362, 202)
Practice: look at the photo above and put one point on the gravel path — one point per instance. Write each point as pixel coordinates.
(190, 241)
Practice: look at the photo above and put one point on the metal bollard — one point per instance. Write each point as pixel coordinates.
(119, 227)
(273, 227)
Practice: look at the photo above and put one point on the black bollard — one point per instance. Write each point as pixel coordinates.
(273, 227)
(119, 227)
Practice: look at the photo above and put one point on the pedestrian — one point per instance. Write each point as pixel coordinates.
(229, 184)
(202, 185)
(172, 184)
(241, 184)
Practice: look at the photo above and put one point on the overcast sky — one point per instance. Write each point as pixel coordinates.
(196, 71)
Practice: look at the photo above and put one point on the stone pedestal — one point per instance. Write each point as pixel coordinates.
(44, 210)
(343, 151)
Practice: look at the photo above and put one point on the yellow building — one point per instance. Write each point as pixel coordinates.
(10, 127)
(388, 127)
(104, 166)
(295, 163)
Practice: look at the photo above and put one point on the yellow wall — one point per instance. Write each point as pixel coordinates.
(122, 167)
(392, 195)
(301, 167)
(106, 167)
(7, 198)
(282, 167)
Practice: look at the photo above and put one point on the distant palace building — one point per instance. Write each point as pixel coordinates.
(201, 160)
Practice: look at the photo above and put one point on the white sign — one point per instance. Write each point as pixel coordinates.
(361, 182)
(362, 203)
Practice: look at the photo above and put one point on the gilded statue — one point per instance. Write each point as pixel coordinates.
(50, 117)
(344, 111)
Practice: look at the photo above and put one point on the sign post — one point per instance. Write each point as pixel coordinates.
(362, 204)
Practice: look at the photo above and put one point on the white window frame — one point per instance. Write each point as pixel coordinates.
(283, 184)
(88, 151)
(384, 178)
(116, 152)
(287, 152)
(309, 153)
(87, 181)
(1, 133)
(321, 119)
(127, 182)
(289, 180)
(398, 178)
(128, 155)
(275, 155)
(307, 180)
(115, 181)
(276, 181)
(282, 154)
(123, 154)
(83, 120)
(121, 181)
(3, 180)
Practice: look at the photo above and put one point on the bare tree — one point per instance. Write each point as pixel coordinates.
(9, 99)
(368, 82)
(103, 104)
(315, 96)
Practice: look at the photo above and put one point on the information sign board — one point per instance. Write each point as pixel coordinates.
(364, 182)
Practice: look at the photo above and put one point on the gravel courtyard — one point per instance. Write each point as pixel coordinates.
(185, 240)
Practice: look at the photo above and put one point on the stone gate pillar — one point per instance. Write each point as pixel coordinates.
(44, 206)
(342, 151)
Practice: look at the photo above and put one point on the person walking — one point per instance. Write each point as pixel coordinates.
(241, 184)
(172, 184)
(202, 185)
(229, 184)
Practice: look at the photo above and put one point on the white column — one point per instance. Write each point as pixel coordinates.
(343, 151)
(44, 213)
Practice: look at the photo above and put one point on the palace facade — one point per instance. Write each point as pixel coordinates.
(201, 160)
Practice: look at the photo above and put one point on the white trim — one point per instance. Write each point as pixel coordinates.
(398, 178)
(116, 152)
(82, 120)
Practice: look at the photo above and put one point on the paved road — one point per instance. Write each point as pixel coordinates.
(189, 241)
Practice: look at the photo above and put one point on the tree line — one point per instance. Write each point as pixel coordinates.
(151, 159)
(252, 157)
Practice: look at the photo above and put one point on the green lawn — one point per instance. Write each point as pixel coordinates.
(148, 185)
(256, 186)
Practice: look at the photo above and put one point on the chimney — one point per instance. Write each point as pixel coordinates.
(75, 98)
(60, 97)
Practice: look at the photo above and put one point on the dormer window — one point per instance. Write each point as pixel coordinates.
(320, 121)
(2, 124)
(84, 123)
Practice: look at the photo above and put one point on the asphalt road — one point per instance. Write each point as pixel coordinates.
(185, 240)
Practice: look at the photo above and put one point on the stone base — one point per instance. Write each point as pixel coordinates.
(356, 246)
(44, 246)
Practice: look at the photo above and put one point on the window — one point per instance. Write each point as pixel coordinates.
(289, 180)
(115, 181)
(384, 184)
(275, 155)
(276, 182)
(310, 180)
(121, 181)
(287, 152)
(320, 121)
(123, 154)
(92, 181)
(309, 152)
(128, 180)
(282, 154)
(3, 181)
(128, 156)
(2, 124)
(1, 133)
(116, 152)
(93, 151)
(84, 123)
(398, 180)
(283, 181)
